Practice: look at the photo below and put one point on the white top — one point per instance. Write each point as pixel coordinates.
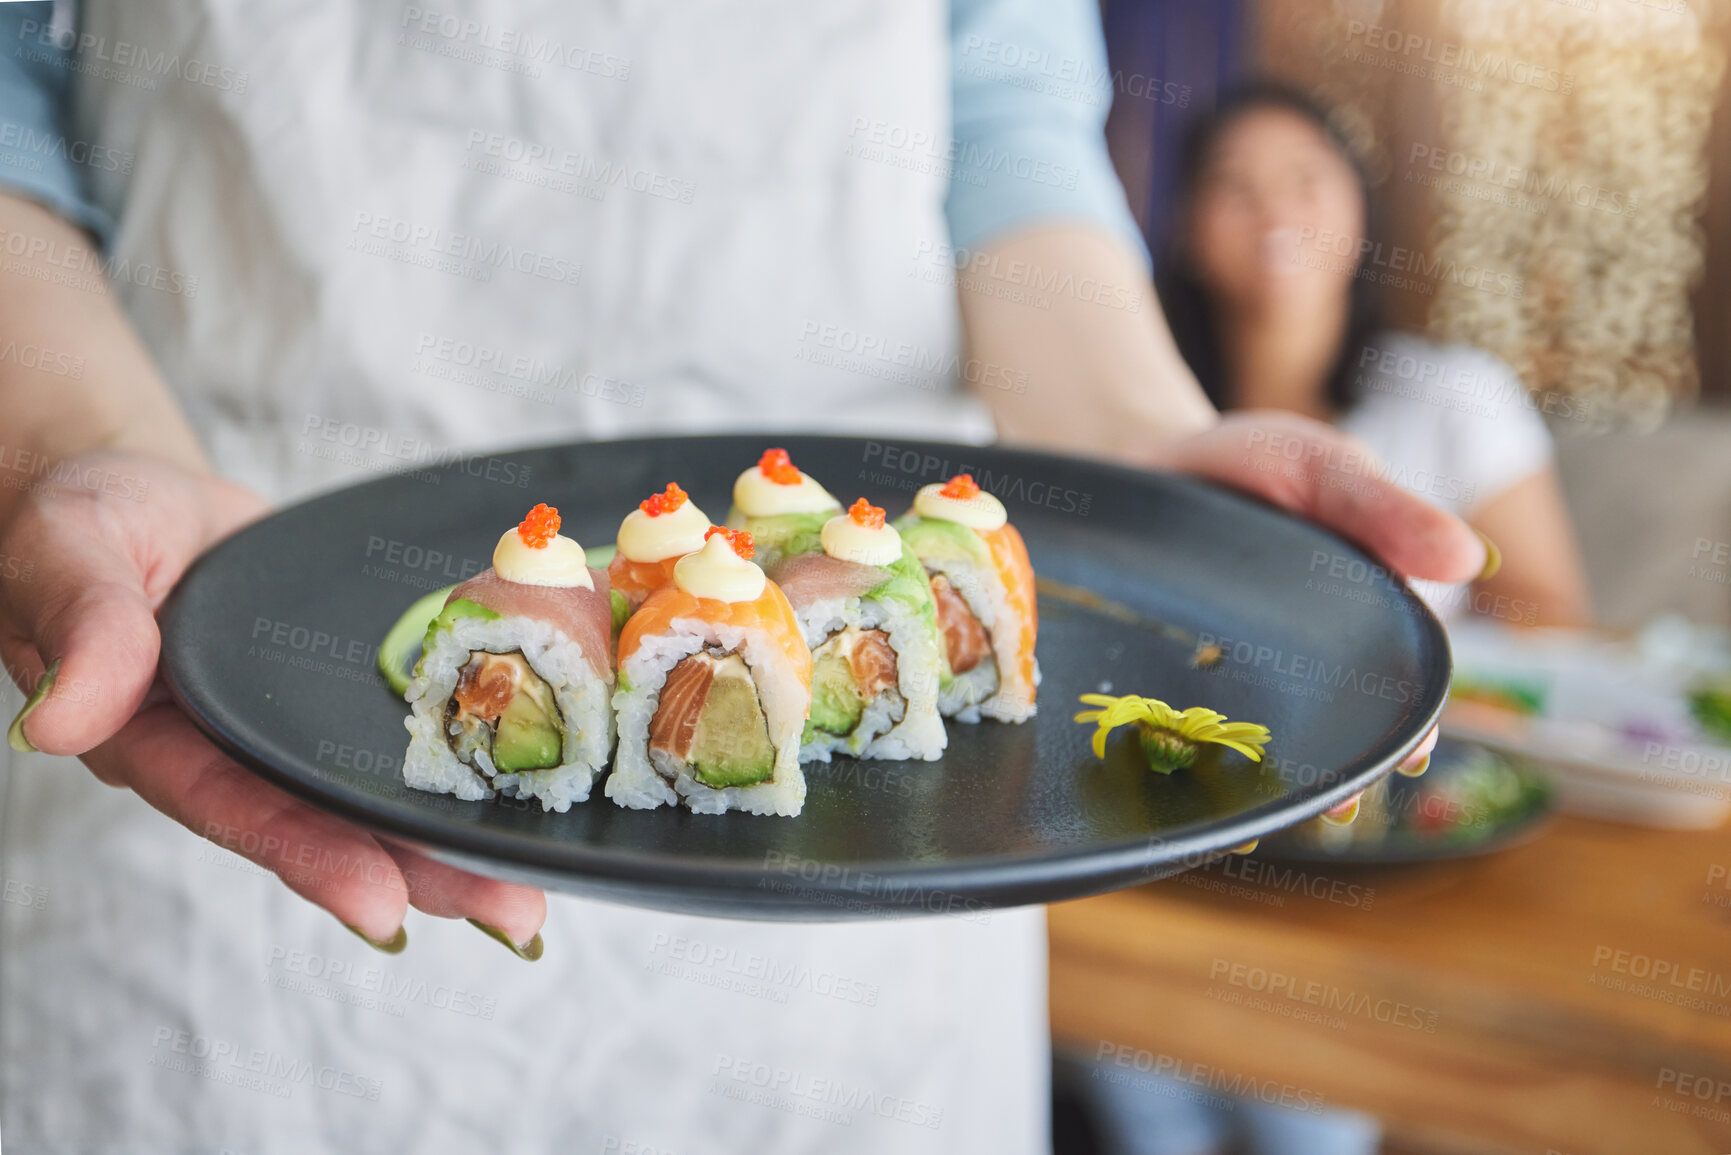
(1450, 423)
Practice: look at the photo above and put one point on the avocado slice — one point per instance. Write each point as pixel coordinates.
(784, 535)
(835, 702)
(731, 746)
(400, 650)
(933, 539)
(528, 736)
(461, 608)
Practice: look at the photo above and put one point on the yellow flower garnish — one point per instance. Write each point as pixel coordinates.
(1170, 737)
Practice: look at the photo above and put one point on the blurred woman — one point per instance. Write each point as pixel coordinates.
(1270, 300)
(1273, 302)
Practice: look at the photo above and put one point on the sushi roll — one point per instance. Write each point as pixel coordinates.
(662, 529)
(513, 687)
(865, 609)
(782, 508)
(714, 689)
(983, 590)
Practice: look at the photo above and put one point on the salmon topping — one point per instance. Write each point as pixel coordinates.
(488, 683)
(638, 579)
(965, 639)
(873, 663)
(674, 726)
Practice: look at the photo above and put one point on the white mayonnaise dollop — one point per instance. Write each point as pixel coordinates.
(558, 563)
(848, 540)
(981, 511)
(717, 572)
(645, 538)
(758, 496)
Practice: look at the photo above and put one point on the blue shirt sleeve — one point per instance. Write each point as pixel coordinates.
(37, 160)
(1031, 88)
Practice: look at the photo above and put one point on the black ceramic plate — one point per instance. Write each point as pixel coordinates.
(270, 643)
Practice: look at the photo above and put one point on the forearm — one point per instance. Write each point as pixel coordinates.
(1068, 346)
(74, 376)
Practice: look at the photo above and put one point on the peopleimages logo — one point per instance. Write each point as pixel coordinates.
(533, 156)
(24, 138)
(1326, 996)
(1305, 669)
(800, 1090)
(86, 268)
(895, 359)
(357, 444)
(445, 250)
(910, 469)
(258, 1068)
(91, 52)
(465, 38)
(779, 974)
(1346, 253)
(1540, 186)
(1221, 1087)
(1455, 62)
(340, 980)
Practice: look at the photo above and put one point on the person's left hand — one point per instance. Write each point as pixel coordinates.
(85, 622)
(1328, 477)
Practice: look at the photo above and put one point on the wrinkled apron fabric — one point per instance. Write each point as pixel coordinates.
(361, 238)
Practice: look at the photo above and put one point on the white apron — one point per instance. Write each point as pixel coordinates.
(360, 238)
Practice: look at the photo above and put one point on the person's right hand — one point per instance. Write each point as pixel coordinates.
(1326, 476)
(98, 546)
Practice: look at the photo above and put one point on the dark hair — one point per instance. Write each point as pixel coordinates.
(1190, 313)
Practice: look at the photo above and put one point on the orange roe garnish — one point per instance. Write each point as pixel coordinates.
(961, 487)
(866, 515)
(739, 539)
(778, 467)
(540, 527)
(657, 504)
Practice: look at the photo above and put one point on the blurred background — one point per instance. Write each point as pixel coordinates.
(1585, 151)
(1527, 950)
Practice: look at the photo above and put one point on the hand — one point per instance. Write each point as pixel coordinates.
(1329, 477)
(1326, 476)
(105, 545)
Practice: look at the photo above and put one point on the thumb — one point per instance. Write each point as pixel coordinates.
(83, 612)
(77, 623)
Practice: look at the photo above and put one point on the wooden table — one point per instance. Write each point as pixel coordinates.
(1571, 996)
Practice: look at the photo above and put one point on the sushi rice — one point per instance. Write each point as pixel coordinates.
(582, 697)
(643, 780)
(973, 695)
(898, 724)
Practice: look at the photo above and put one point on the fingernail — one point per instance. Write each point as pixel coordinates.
(15, 736)
(1414, 769)
(392, 945)
(1244, 847)
(1493, 558)
(528, 952)
(1342, 815)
